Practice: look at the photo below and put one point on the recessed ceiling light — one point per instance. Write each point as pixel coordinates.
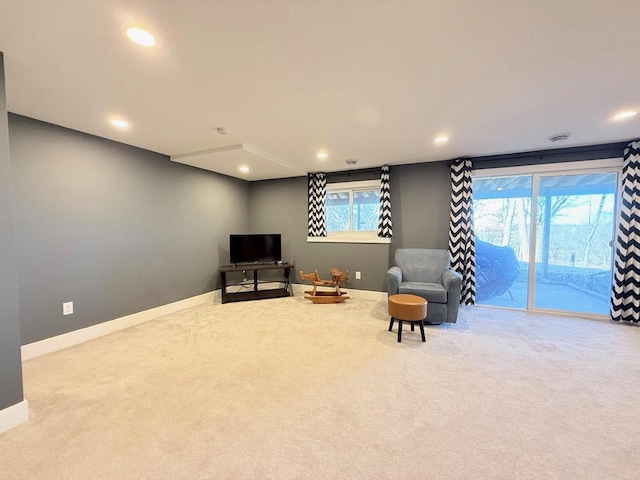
(624, 115)
(441, 139)
(244, 169)
(322, 156)
(141, 37)
(119, 123)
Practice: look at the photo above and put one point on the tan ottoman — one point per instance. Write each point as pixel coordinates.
(407, 308)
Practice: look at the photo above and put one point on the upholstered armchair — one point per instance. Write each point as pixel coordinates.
(426, 272)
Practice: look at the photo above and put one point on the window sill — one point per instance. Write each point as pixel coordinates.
(348, 239)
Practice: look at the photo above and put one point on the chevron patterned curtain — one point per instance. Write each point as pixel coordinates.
(625, 292)
(385, 229)
(317, 192)
(461, 236)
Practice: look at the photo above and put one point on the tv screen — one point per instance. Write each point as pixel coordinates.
(256, 248)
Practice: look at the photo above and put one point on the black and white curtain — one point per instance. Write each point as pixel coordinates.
(385, 229)
(461, 235)
(625, 292)
(317, 192)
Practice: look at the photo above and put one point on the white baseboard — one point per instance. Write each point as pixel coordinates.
(299, 288)
(66, 340)
(13, 416)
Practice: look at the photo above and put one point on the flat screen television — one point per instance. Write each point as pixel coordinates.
(255, 248)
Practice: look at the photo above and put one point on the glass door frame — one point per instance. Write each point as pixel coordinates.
(610, 165)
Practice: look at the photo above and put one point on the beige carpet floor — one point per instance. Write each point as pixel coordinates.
(283, 389)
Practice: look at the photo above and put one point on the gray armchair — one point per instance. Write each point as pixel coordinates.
(426, 272)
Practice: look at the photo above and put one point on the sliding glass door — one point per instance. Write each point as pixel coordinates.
(561, 260)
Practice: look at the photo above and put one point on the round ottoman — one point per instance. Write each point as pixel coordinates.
(407, 308)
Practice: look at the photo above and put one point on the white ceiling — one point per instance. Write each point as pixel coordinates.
(374, 80)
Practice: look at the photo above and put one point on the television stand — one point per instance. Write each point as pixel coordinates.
(254, 293)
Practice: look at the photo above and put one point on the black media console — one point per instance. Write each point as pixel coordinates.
(249, 288)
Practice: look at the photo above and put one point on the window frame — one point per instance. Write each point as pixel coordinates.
(537, 172)
(351, 236)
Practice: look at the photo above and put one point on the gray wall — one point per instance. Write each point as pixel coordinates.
(113, 228)
(118, 230)
(420, 202)
(280, 206)
(10, 367)
(420, 196)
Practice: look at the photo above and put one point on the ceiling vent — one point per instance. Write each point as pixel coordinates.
(559, 137)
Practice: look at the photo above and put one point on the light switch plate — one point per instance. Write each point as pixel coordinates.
(358, 276)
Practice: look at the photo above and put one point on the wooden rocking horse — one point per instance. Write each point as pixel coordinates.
(334, 296)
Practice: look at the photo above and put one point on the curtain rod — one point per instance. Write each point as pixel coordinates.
(348, 172)
(584, 152)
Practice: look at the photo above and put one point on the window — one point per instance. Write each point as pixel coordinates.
(352, 211)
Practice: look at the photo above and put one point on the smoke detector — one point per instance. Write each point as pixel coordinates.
(558, 137)
(221, 131)
(351, 161)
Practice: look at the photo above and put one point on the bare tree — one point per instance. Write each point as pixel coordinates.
(594, 226)
(506, 224)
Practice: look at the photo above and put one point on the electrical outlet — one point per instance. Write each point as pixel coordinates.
(358, 276)
(67, 308)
